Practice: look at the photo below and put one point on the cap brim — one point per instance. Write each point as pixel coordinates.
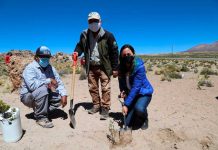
(46, 56)
(94, 18)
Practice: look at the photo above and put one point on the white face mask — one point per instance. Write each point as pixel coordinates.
(94, 27)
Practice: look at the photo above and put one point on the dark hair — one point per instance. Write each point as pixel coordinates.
(9, 53)
(126, 46)
(122, 67)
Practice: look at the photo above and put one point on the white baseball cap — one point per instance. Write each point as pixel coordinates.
(94, 15)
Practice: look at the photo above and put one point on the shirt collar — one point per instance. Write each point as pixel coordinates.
(101, 32)
(36, 64)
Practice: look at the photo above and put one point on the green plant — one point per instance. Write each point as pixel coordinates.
(3, 107)
(6, 112)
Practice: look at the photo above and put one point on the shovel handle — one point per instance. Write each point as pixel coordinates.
(75, 57)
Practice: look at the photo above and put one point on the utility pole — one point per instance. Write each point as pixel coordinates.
(172, 49)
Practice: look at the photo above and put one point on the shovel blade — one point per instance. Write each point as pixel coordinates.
(125, 135)
(71, 114)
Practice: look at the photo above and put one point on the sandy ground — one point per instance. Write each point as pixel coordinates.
(180, 117)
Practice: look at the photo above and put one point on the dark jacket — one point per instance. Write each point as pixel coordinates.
(108, 51)
(138, 81)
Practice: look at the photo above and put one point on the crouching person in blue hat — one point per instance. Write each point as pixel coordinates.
(42, 88)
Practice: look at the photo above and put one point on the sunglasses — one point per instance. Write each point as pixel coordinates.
(44, 56)
(93, 20)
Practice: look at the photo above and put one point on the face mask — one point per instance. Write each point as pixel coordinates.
(95, 26)
(43, 62)
(128, 59)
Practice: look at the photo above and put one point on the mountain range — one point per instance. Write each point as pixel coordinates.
(204, 48)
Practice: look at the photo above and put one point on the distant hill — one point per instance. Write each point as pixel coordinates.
(204, 48)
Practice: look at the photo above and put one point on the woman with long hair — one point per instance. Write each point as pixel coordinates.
(134, 87)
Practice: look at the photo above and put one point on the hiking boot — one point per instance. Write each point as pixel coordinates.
(104, 114)
(45, 123)
(93, 110)
(145, 125)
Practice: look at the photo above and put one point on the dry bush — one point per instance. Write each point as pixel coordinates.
(168, 72)
(184, 68)
(3, 67)
(8, 87)
(63, 68)
(164, 77)
(3, 80)
(174, 75)
(158, 72)
(204, 81)
(159, 65)
(149, 67)
(195, 70)
(78, 69)
(208, 71)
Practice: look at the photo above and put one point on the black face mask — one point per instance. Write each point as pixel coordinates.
(128, 59)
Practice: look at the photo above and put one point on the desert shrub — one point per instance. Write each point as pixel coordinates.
(1, 82)
(3, 69)
(195, 70)
(149, 67)
(208, 71)
(158, 72)
(63, 68)
(8, 87)
(168, 72)
(159, 65)
(78, 70)
(174, 75)
(171, 68)
(184, 68)
(204, 81)
(165, 77)
(176, 61)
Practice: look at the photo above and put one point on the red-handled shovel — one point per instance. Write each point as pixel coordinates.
(71, 110)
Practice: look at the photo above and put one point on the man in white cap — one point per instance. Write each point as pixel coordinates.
(42, 88)
(101, 59)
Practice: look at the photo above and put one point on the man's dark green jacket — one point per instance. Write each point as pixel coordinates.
(107, 47)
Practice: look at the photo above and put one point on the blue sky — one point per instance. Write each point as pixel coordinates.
(151, 26)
